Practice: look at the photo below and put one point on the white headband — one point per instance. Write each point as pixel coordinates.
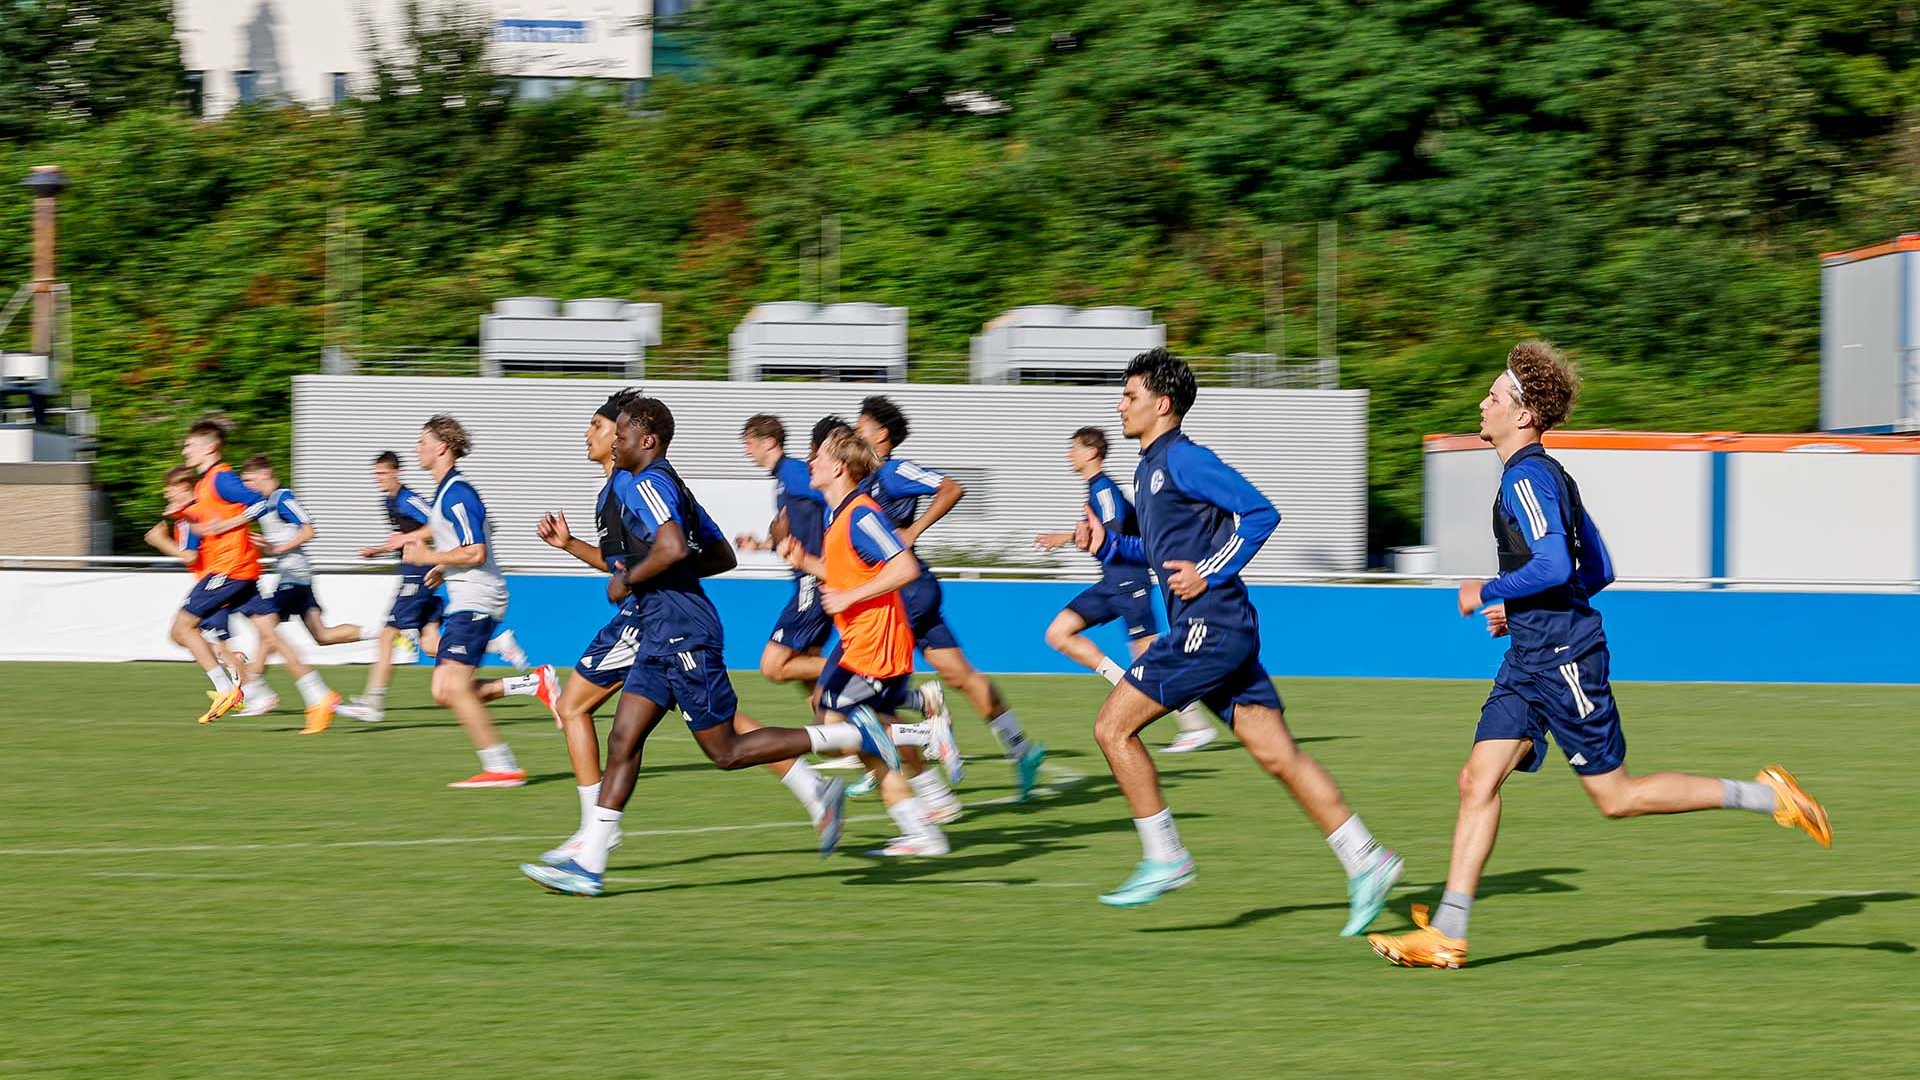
(1519, 392)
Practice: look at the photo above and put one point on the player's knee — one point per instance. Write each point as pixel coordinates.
(1110, 731)
(1476, 788)
(1616, 804)
(1058, 637)
(772, 668)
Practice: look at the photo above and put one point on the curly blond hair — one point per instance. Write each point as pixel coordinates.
(851, 451)
(451, 434)
(1548, 381)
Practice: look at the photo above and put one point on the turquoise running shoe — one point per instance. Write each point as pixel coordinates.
(874, 739)
(1367, 891)
(863, 787)
(569, 877)
(1026, 771)
(1150, 881)
(833, 816)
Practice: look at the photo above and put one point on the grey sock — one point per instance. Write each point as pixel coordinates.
(1450, 918)
(1746, 795)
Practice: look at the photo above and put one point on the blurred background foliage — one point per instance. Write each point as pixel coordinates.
(1647, 183)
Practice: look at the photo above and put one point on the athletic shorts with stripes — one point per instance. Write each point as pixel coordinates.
(1573, 701)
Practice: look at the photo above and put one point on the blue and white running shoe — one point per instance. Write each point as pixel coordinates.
(569, 877)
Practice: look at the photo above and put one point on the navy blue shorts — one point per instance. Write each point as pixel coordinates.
(1131, 602)
(695, 682)
(611, 654)
(930, 631)
(1220, 670)
(841, 690)
(218, 593)
(1573, 701)
(464, 636)
(415, 606)
(292, 600)
(802, 624)
(215, 626)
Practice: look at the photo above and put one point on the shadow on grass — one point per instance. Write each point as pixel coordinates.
(1757, 931)
(1544, 880)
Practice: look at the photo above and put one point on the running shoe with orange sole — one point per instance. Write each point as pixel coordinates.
(515, 778)
(223, 703)
(1425, 947)
(1794, 808)
(320, 715)
(548, 691)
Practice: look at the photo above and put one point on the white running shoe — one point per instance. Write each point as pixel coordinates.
(405, 651)
(933, 700)
(572, 846)
(1188, 741)
(946, 748)
(907, 847)
(260, 706)
(844, 761)
(509, 649)
(362, 710)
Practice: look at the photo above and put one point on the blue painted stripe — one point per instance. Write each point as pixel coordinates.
(1717, 546)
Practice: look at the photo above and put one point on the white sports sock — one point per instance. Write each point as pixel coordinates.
(520, 685)
(1194, 718)
(932, 790)
(596, 837)
(911, 818)
(1747, 795)
(498, 758)
(503, 641)
(1159, 837)
(313, 688)
(257, 689)
(1006, 728)
(912, 734)
(1110, 671)
(221, 680)
(806, 786)
(1353, 845)
(839, 738)
(589, 801)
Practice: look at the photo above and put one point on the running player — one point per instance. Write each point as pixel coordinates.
(223, 508)
(862, 567)
(898, 487)
(1124, 592)
(287, 529)
(476, 601)
(1200, 523)
(679, 661)
(417, 606)
(793, 649)
(1554, 677)
(173, 536)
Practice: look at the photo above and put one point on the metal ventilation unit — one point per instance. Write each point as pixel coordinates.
(835, 343)
(1051, 343)
(536, 334)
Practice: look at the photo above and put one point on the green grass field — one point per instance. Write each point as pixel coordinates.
(236, 901)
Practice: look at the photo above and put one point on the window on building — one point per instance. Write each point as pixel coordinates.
(246, 86)
(196, 93)
(342, 90)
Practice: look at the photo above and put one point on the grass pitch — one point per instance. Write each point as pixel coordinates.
(237, 901)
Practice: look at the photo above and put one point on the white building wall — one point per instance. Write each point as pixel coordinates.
(1305, 449)
(294, 47)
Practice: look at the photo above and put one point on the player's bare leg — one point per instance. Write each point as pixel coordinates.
(227, 697)
(453, 687)
(778, 663)
(952, 666)
(323, 634)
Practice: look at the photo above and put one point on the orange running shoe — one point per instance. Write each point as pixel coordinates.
(320, 717)
(493, 779)
(1425, 947)
(223, 704)
(548, 691)
(1793, 808)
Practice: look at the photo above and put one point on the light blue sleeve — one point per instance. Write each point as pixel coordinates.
(900, 478)
(873, 535)
(467, 514)
(1107, 502)
(413, 506)
(234, 490)
(1532, 496)
(1200, 473)
(289, 508)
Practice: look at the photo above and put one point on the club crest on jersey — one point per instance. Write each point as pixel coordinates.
(1158, 481)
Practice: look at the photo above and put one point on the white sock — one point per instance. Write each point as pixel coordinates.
(313, 688)
(498, 758)
(806, 784)
(371, 633)
(376, 697)
(221, 680)
(1353, 845)
(596, 838)
(911, 818)
(520, 685)
(1159, 837)
(1747, 795)
(1006, 728)
(1194, 718)
(839, 738)
(1110, 671)
(257, 690)
(589, 801)
(912, 734)
(931, 789)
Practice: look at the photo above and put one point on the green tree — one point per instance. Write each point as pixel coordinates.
(66, 62)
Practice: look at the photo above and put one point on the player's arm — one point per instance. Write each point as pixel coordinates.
(1596, 563)
(1201, 474)
(1093, 537)
(907, 479)
(1047, 541)
(160, 538)
(554, 531)
(646, 499)
(292, 513)
(796, 555)
(468, 516)
(877, 542)
(1533, 498)
(234, 490)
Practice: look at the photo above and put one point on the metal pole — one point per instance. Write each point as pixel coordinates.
(46, 183)
(1330, 295)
